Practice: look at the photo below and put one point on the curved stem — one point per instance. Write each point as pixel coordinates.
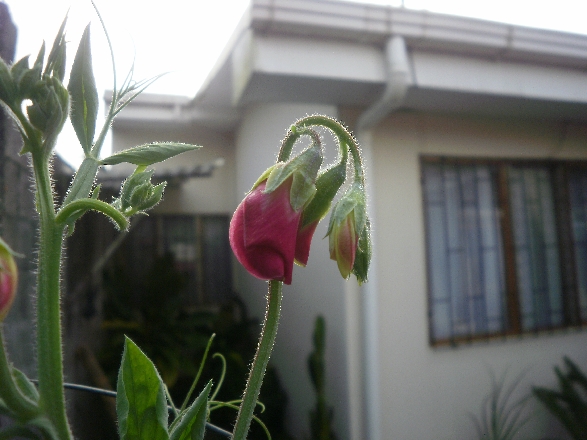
(266, 341)
(49, 350)
(344, 137)
(83, 205)
(9, 392)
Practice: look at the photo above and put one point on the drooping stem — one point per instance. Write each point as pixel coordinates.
(264, 348)
(49, 345)
(344, 136)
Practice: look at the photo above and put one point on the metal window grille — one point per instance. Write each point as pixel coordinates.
(506, 246)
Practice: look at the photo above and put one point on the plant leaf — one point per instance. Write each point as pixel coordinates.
(140, 403)
(84, 94)
(148, 154)
(192, 425)
(25, 385)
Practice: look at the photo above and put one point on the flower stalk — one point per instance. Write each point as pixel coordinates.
(49, 341)
(260, 361)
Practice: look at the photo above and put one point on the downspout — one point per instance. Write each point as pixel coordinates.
(399, 79)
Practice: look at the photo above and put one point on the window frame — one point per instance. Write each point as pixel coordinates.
(559, 175)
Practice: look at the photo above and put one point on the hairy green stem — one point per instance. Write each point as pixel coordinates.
(264, 348)
(9, 391)
(49, 346)
(83, 205)
(344, 136)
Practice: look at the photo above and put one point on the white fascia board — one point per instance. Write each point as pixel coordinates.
(460, 74)
(329, 59)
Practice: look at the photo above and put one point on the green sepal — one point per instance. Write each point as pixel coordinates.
(304, 169)
(130, 185)
(84, 94)
(148, 154)
(327, 185)
(266, 174)
(7, 87)
(352, 201)
(192, 424)
(141, 405)
(27, 388)
(56, 59)
(363, 254)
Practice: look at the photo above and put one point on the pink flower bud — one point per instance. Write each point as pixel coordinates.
(303, 242)
(8, 279)
(343, 240)
(263, 232)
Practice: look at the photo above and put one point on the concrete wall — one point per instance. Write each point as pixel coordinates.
(316, 289)
(426, 392)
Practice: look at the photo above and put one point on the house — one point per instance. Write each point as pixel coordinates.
(475, 138)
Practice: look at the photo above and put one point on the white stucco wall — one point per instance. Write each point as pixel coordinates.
(426, 392)
(316, 289)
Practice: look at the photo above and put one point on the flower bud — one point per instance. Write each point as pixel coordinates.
(342, 243)
(138, 193)
(8, 279)
(347, 224)
(264, 228)
(263, 232)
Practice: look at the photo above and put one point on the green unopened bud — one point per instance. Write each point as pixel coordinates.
(347, 224)
(138, 193)
(50, 106)
(8, 279)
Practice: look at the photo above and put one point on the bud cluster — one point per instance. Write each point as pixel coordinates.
(273, 226)
(42, 86)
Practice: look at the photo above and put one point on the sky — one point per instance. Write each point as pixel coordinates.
(184, 38)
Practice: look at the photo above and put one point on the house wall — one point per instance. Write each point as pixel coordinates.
(316, 289)
(209, 195)
(427, 392)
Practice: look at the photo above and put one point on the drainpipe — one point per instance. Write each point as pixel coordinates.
(399, 79)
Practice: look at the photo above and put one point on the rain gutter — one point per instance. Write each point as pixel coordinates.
(399, 79)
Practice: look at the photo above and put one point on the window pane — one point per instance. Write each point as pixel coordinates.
(465, 263)
(578, 198)
(536, 247)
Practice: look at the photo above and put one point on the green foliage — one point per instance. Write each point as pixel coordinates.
(569, 403)
(500, 418)
(84, 94)
(175, 339)
(140, 402)
(321, 415)
(191, 425)
(148, 154)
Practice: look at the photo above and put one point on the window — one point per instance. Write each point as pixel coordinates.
(507, 246)
(200, 249)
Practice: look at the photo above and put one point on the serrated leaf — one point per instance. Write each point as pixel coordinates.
(140, 403)
(84, 94)
(148, 154)
(193, 421)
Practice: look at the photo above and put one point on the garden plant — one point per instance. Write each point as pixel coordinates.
(271, 229)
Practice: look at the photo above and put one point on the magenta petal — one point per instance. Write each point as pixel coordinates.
(303, 242)
(263, 233)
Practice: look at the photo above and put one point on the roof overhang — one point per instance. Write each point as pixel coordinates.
(334, 52)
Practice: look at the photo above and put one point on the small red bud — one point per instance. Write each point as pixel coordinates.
(8, 279)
